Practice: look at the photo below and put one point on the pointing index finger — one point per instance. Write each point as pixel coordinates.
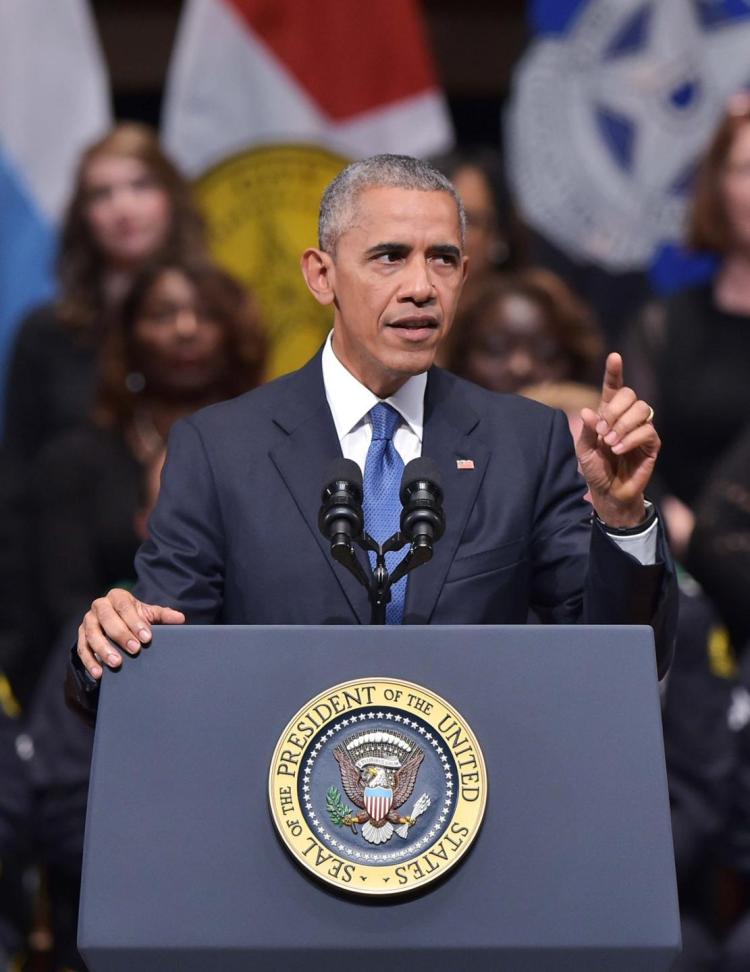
(613, 377)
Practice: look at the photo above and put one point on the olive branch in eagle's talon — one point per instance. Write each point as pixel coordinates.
(340, 814)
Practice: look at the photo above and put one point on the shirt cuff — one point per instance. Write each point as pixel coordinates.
(641, 545)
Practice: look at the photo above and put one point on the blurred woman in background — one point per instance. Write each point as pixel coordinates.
(526, 328)
(690, 353)
(187, 336)
(129, 204)
(495, 237)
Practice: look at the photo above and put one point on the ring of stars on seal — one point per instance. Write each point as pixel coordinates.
(377, 786)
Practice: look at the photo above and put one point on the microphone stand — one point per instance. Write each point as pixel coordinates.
(422, 523)
(381, 581)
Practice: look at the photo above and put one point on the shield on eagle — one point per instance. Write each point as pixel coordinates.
(378, 801)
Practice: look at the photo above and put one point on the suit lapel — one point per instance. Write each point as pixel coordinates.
(302, 460)
(448, 423)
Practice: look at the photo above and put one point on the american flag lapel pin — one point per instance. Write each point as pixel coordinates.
(464, 463)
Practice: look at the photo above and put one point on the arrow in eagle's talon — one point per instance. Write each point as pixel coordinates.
(417, 810)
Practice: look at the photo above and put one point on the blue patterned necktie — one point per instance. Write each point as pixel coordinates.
(381, 506)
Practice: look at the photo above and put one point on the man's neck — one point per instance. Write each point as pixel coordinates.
(382, 385)
(350, 400)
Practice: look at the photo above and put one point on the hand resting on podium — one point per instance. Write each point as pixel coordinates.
(118, 620)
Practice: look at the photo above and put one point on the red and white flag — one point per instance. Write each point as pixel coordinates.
(356, 78)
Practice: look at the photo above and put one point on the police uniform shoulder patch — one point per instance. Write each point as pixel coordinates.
(377, 786)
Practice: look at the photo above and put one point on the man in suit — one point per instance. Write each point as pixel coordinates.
(234, 536)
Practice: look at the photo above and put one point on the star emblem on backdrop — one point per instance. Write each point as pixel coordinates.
(607, 122)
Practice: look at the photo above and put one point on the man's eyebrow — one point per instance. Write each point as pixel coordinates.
(445, 249)
(402, 249)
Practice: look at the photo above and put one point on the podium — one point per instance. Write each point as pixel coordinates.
(572, 868)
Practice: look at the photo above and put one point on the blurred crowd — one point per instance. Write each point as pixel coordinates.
(147, 328)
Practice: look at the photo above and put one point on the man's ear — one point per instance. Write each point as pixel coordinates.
(318, 271)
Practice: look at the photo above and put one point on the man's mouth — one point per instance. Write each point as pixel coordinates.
(415, 324)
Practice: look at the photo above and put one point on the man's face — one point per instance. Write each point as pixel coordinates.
(395, 279)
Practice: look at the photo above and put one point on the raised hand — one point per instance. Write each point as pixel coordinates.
(617, 449)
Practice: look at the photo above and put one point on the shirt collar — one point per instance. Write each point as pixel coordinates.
(350, 401)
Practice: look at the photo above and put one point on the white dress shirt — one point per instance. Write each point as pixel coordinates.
(350, 403)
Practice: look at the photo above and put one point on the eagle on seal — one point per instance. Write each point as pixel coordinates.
(378, 773)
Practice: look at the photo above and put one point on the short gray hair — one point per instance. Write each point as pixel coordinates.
(392, 171)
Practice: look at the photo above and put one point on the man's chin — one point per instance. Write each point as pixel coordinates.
(412, 345)
(413, 361)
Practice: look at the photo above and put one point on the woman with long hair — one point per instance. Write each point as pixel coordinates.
(129, 204)
(187, 336)
(690, 353)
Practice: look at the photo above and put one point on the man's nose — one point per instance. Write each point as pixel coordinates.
(418, 285)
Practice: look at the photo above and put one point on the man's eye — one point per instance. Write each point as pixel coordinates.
(390, 256)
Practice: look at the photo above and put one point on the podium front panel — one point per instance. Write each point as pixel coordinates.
(572, 869)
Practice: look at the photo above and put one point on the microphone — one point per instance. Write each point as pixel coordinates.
(341, 519)
(421, 494)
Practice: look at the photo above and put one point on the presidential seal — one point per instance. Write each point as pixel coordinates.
(377, 786)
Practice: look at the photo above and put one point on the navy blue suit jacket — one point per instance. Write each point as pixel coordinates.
(234, 537)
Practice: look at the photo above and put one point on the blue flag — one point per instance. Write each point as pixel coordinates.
(55, 101)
